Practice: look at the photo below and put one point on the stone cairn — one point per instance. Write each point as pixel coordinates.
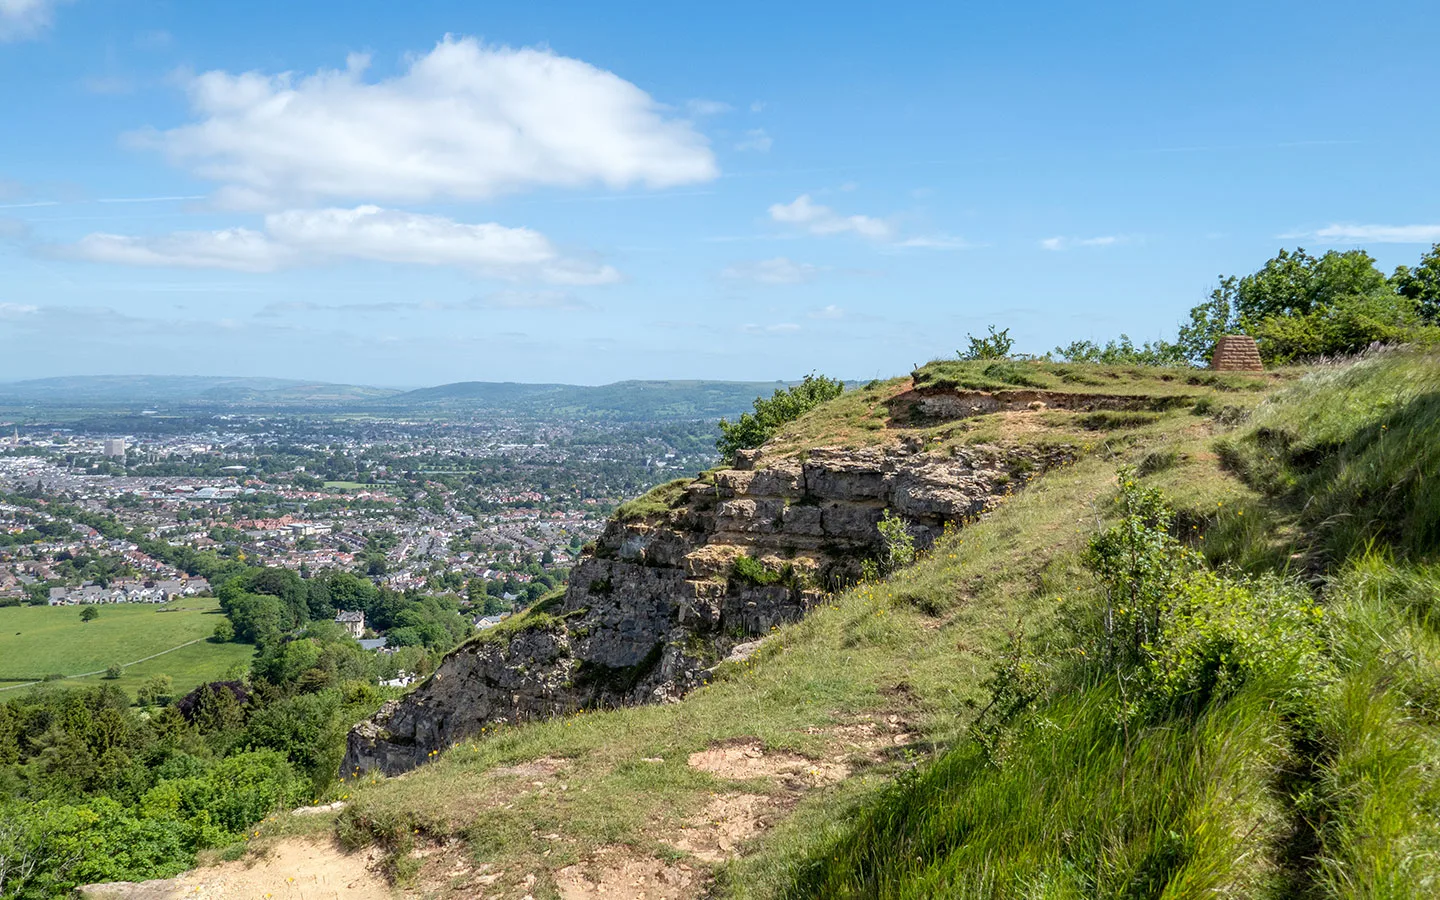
(1236, 353)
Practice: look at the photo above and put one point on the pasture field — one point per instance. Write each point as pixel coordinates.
(36, 641)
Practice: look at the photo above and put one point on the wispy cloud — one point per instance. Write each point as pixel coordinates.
(829, 312)
(779, 270)
(699, 107)
(529, 300)
(804, 213)
(777, 328)
(1066, 243)
(313, 236)
(938, 242)
(16, 310)
(1370, 234)
(756, 141)
(170, 199)
(24, 19)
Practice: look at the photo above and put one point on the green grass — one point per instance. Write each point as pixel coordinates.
(884, 411)
(1085, 378)
(656, 501)
(36, 641)
(1332, 792)
(348, 486)
(1075, 812)
(1351, 452)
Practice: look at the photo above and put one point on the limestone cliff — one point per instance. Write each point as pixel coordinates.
(649, 612)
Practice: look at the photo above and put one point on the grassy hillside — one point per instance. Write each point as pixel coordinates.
(36, 641)
(1298, 775)
(1212, 675)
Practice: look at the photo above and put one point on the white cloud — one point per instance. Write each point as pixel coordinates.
(1372, 234)
(772, 271)
(239, 249)
(756, 140)
(757, 105)
(23, 19)
(830, 312)
(1065, 243)
(805, 213)
(305, 236)
(464, 121)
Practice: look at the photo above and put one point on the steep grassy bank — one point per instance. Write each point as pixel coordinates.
(1281, 779)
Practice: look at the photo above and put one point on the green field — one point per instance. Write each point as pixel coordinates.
(36, 641)
(348, 485)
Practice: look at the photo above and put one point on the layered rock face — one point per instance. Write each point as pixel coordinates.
(647, 614)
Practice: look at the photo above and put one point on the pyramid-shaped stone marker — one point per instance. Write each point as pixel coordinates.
(1236, 353)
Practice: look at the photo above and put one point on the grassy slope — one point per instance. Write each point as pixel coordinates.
(39, 640)
(916, 647)
(1243, 801)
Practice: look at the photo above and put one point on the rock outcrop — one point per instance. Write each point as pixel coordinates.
(660, 600)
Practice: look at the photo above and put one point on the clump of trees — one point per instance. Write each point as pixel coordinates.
(753, 429)
(94, 789)
(1297, 307)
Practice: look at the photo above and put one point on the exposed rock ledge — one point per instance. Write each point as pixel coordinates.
(656, 605)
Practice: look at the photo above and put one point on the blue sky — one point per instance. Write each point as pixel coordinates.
(414, 194)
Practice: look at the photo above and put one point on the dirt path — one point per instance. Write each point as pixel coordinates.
(294, 869)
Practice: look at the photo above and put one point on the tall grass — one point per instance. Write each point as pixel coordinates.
(1353, 450)
(1076, 811)
(1329, 790)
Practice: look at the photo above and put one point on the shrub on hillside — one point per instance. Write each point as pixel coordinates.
(1175, 634)
(1123, 353)
(995, 345)
(753, 429)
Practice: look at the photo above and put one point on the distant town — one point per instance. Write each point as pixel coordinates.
(494, 511)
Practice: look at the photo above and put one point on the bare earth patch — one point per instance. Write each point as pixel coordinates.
(742, 759)
(727, 821)
(615, 873)
(293, 869)
(870, 738)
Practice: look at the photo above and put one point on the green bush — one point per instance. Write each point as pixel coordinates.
(754, 429)
(1123, 352)
(750, 570)
(995, 345)
(1174, 634)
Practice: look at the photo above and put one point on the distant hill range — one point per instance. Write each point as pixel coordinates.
(621, 401)
(131, 389)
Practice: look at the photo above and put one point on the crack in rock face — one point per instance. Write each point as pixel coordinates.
(658, 604)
